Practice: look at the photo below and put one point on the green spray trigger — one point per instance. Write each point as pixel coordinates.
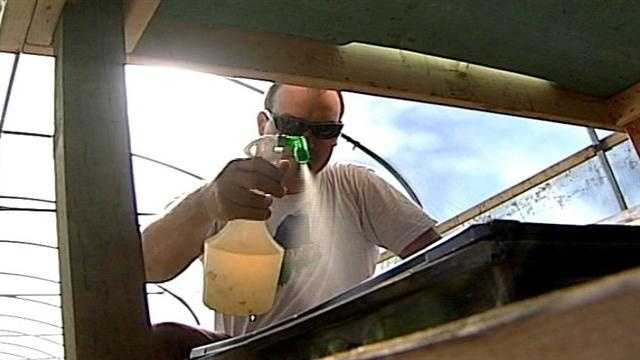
(298, 145)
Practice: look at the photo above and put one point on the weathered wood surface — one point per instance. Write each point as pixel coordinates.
(103, 295)
(599, 320)
(29, 25)
(362, 68)
(138, 13)
(43, 23)
(482, 268)
(531, 182)
(15, 24)
(633, 129)
(625, 106)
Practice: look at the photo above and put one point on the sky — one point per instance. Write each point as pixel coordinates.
(453, 158)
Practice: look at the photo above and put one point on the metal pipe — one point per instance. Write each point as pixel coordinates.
(27, 243)
(12, 354)
(608, 171)
(26, 198)
(552, 171)
(28, 347)
(30, 319)
(33, 277)
(33, 301)
(167, 165)
(25, 133)
(182, 301)
(38, 336)
(7, 96)
(11, 208)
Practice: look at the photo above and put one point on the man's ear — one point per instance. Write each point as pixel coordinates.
(262, 121)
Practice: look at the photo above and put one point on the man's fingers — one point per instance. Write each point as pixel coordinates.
(261, 166)
(233, 210)
(284, 165)
(245, 197)
(252, 181)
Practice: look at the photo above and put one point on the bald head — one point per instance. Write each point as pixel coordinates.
(281, 98)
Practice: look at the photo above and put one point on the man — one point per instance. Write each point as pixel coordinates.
(330, 239)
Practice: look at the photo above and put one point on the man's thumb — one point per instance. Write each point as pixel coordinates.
(284, 165)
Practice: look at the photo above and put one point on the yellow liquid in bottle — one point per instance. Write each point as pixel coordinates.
(242, 266)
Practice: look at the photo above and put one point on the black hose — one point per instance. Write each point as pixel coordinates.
(386, 165)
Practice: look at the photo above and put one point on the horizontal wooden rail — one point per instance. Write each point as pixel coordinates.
(364, 68)
(597, 320)
(525, 185)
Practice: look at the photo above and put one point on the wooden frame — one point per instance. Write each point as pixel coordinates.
(44, 21)
(96, 212)
(101, 270)
(138, 13)
(625, 107)
(15, 24)
(29, 26)
(368, 69)
(504, 196)
(593, 321)
(535, 180)
(633, 129)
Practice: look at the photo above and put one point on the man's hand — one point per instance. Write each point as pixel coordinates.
(232, 195)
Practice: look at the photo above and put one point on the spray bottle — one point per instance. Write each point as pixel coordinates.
(242, 262)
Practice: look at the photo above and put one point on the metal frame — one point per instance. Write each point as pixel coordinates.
(7, 96)
(608, 171)
(541, 177)
(535, 180)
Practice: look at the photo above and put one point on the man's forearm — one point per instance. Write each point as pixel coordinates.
(425, 239)
(170, 243)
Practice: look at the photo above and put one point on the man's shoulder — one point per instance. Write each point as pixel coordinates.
(348, 170)
(348, 177)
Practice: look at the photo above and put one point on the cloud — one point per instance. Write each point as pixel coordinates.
(455, 157)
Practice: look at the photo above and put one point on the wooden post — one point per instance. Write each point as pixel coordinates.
(633, 130)
(624, 108)
(103, 297)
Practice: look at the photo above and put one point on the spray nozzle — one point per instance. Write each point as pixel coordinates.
(271, 148)
(298, 145)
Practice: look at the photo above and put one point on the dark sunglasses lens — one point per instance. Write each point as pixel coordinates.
(289, 127)
(326, 131)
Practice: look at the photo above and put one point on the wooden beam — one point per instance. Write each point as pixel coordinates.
(29, 24)
(593, 321)
(44, 21)
(624, 107)
(15, 24)
(3, 5)
(363, 68)
(138, 13)
(533, 181)
(522, 187)
(101, 270)
(37, 49)
(633, 129)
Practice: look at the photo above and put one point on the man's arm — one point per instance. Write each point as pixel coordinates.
(171, 243)
(389, 218)
(425, 239)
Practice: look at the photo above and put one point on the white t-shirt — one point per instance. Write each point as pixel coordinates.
(340, 224)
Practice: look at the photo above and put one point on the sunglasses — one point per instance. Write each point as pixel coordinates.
(290, 125)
